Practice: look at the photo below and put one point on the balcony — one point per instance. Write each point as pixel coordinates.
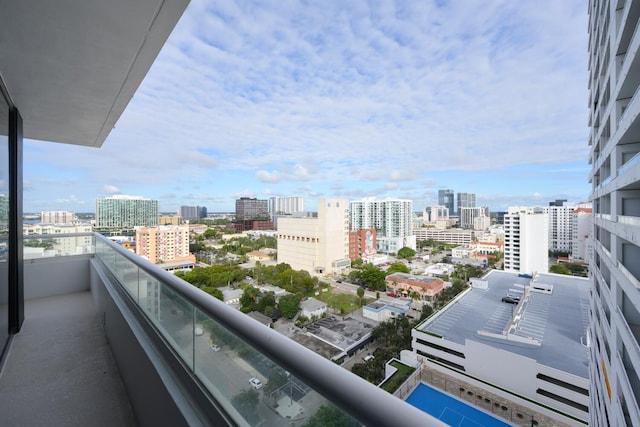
(110, 339)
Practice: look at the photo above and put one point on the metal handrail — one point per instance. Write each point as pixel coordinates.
(357, 397)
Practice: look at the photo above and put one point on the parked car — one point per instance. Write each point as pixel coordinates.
(369, 357)
(255, 383)
(511, 300)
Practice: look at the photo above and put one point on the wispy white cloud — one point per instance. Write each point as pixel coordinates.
(366, 94)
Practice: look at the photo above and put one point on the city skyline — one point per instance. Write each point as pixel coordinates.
(346, 101)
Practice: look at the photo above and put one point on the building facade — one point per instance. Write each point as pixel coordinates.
(421, 288)
(582, 226)
(560, 225)
(392, 218)
(362, 243)
(56, 244)
(251, 208)
(319, 245)
(446, 198)
(469, 215)
(57, 217)
(466, 200)
(451, 236)
(191, 213)
(126, 212)
(252, 214)
(526, 247)
(505, 347)
(164, 244)
(285, 205)
(614, 141)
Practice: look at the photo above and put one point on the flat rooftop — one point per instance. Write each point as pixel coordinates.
(557, 320)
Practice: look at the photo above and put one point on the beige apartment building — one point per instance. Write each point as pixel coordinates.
(319, 245)
(164, 244)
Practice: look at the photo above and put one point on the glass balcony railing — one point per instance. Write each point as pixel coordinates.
(256, 375)
(53, 245)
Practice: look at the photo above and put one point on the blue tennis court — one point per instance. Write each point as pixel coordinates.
(450, 410)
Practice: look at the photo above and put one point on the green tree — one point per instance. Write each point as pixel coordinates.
(560, 269)
(397, 267)
(356, 263)
(360, 293)
(373, 277)
(249, 299)
(406, 253)
(214, 292)
(330, 416)
(246, 403)
(289, 305)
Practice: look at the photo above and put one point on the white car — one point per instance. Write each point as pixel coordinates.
(215, 347)
(255, 383)
(369, 357)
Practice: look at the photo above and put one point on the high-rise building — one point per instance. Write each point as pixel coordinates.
(446, 198)
(582, 226)
(57, 217)
(317, 244)
(248, 208)
(191, 213)
(285, 205)
(466, 200)
(392, 218)
(164, 244)
(476, 218)
(526, 246)
(560, 226)
(252, 214)
(126, 212)
(614, 141)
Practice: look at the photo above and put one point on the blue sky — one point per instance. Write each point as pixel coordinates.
(344, 99)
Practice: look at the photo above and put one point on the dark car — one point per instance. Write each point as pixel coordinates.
(511, 300)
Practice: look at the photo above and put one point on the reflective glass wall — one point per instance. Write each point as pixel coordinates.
(4, 222)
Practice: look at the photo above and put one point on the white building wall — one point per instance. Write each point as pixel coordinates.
(298, 243)
(560, 227)
(614, 145)
(57, 217)
(392, 218)
(506, 370)
(526, 248)
(582, 241)
(317, 245)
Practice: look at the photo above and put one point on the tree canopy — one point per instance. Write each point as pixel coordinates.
(289, 305)
(397, 267)
(406, 253)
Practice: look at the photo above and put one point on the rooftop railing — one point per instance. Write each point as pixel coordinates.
(253, 373)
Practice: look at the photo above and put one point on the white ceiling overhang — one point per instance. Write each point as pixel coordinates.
(71, 67)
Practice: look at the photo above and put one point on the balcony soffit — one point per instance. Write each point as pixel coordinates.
(72, 67)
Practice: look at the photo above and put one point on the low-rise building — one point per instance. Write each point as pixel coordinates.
(519, 338)
(312, 307)
(439, 269)
(410, 286)
(453, 236)
(386, 308)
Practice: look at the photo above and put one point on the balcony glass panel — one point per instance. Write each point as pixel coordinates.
(249, 386)
(54, 245)
(4, 222)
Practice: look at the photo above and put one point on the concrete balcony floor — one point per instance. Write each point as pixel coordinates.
(60, 370)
